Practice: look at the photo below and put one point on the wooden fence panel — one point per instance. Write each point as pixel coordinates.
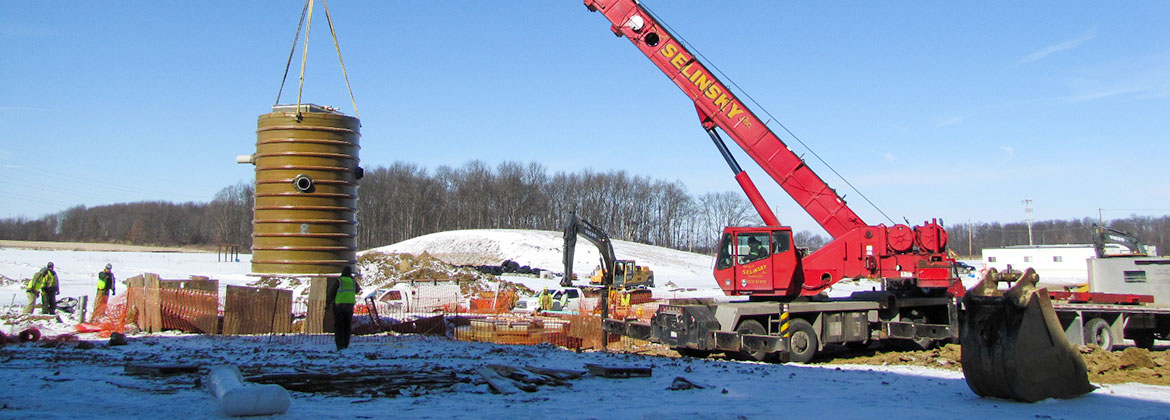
(255, 310)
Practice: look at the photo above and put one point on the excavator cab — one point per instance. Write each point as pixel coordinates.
(1013, 345)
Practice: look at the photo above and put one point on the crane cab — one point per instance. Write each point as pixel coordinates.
(757, 261)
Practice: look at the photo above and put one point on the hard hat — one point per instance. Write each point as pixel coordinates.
(109, 266)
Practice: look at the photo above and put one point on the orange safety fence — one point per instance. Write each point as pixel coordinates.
(112, 321)
(485, 317)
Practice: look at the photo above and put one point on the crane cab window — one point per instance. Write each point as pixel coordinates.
(752, 247)
(781, 242)
(723, 260)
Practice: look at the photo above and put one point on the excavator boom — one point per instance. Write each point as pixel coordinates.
(578, 226)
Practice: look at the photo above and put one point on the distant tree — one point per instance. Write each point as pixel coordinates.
(807, 239)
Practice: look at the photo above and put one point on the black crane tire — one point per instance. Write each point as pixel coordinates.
(803, 341)
(752, 327)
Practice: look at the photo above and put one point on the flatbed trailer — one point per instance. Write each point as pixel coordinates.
(1107, 324)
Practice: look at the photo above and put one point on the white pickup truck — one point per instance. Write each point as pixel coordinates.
(564, 300)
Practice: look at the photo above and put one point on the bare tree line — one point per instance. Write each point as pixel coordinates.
(405, 200)
(971, 239)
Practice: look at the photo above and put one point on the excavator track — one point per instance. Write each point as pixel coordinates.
(1013, 346)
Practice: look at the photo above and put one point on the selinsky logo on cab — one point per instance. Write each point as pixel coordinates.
(753, 270)
(693, 71)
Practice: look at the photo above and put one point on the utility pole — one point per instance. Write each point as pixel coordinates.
(970, 239)
(1100, 217)
(1028, 211)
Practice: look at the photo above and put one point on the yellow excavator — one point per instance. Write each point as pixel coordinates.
(612, 272)
(626, 275)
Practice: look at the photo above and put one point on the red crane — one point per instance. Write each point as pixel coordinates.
(763, 261)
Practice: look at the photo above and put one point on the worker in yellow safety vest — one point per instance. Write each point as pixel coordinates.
(32, 289)
(46, 281)
(340, 297)
(105, 287)
(545, 300)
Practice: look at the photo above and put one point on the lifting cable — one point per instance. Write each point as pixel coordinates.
(724, 76)
(307, 22)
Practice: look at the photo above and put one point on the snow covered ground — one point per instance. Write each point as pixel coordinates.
(64, 381)
(67, 383)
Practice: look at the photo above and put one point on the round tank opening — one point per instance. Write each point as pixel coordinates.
(652, 39)
(303, 183)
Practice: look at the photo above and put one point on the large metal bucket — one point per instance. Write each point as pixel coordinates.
(1013, 346)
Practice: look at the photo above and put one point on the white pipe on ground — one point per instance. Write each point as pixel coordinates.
(237, 398)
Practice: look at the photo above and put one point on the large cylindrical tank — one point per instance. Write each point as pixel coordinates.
(306, 191)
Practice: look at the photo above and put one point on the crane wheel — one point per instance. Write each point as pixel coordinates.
(752, 327)
(803, 341)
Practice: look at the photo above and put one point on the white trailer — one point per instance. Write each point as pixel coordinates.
(1063, 265)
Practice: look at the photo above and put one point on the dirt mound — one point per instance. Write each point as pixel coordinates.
(1129, 365)
(383, 270)
(945, 357)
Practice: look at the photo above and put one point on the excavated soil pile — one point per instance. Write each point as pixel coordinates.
(946, 357)
(381, 270)
(1129, 365)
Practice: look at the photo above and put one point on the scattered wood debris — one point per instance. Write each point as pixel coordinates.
(563, 374)
(160, 369)
(618, 371)
(374, 383)
(504, 379)
(498, 383)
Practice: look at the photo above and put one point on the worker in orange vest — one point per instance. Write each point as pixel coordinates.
(340, 298)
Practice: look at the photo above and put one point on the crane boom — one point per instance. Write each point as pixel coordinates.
(718, 107)
(763, 261)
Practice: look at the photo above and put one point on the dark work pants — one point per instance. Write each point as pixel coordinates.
(49, 301)
(342, 321)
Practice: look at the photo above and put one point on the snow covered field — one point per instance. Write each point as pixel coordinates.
(63, 381)
(68, 383)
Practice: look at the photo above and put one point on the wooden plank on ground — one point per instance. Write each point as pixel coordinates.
(618, 371)
(563, 374)
(499, 384)
(160, 369)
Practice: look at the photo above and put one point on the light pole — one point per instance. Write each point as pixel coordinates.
(1028, 211)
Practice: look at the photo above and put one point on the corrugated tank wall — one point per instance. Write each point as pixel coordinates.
(307, 175)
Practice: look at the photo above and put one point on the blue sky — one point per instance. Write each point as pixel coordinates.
(952, 110)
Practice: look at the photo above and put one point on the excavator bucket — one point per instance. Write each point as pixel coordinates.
(1013, 346)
